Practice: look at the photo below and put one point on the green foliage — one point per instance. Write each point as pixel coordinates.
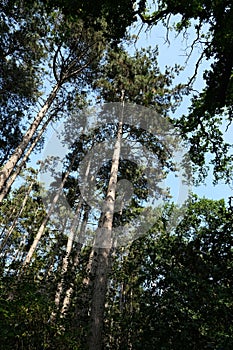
(22, 51)
(212, 22)
(169, 289)
(112, 17)
(173, 289)
(140, 78)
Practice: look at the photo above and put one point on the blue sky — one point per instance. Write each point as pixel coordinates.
(169, 55)
(176, 53)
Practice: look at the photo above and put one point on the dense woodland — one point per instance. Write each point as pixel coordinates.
(67, 280)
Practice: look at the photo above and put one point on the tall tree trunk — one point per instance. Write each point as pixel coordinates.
(70, 240)
(11, 228)
(55, 250)
(103, 250)
(46, 219)
(65, 262)
(70, 70)
(70, 289)
(20, 252)
(10, 165)
(12, 214)
(12, 178)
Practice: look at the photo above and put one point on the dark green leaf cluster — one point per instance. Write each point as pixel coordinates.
(112, 17)
(173, 290)
(212, 21)
(22, 30)
(139, 77)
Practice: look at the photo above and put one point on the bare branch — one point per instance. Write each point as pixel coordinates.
(196, 69)
(54, 64)
(196, 40)
(229, 124)
(167, 31)
(139, 32)
(155, 17)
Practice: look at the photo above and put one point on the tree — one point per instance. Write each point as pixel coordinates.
(173, 288)
(131, 79)
(113, 18)
(140, 78)
(212, 23)
(152, 89)
(77, 51)
(22, 53)
(18, 229)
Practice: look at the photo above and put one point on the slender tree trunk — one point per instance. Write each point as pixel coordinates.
(60, 288)
(12, 178)
(54, 251)
(70, 290)
(103, 251)
(50, 265)
(20, 252)
(12, 227)
(68, 294)
(45, 221)
(10, 165)
(67, 71)
(6, 225)
(80, 203)
(65, 262)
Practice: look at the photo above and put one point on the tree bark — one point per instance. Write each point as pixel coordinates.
(6, 225)
(70, 290)
(65, 263)
(12, 178)
(45, 221)
(102, 252)
(10, 165)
